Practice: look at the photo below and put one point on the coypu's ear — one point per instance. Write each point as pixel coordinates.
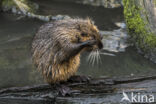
(90, 21)
(80, 27)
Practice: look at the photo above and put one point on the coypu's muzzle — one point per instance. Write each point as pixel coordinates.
(96, 46)
(100, 45)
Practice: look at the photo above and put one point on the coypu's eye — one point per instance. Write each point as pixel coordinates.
(84, 34)
(78, 38)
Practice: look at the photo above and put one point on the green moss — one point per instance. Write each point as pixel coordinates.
(137, 26)
(28, 5)
(155, 2)
(7, 4)
(24, 4)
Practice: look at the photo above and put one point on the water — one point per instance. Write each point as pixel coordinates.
(15, 56)
(16, 35)
(103, 17)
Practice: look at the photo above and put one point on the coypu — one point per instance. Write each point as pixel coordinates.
(57, 46)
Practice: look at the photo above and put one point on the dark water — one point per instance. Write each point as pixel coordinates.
(16, 34)
(103, 17)
(15, 56)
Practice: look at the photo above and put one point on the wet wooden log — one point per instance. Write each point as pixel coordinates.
(94, 86)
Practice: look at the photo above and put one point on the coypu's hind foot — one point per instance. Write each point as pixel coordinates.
(79, 78)
(62, 89)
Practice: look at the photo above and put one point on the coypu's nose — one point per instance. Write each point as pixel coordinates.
(100, 45)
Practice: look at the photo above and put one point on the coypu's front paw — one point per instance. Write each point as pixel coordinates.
(89, 43)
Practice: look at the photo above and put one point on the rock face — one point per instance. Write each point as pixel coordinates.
(140, 16)
(27, 8)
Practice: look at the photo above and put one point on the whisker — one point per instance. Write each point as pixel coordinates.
(90, 57)
(97, 58)
(107, 54)
(94, 58)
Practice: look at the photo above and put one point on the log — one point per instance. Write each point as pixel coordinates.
(93, 87)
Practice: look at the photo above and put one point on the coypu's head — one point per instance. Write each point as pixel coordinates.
(78, 31)
(86, 30)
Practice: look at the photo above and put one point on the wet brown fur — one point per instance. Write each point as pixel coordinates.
(54, 48)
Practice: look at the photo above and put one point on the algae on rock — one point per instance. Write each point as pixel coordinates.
(27, 8)
(140, 17)
(23, 6)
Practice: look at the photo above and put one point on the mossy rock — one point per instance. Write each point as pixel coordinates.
(7, 5)
(21, 5)
(140, 19)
